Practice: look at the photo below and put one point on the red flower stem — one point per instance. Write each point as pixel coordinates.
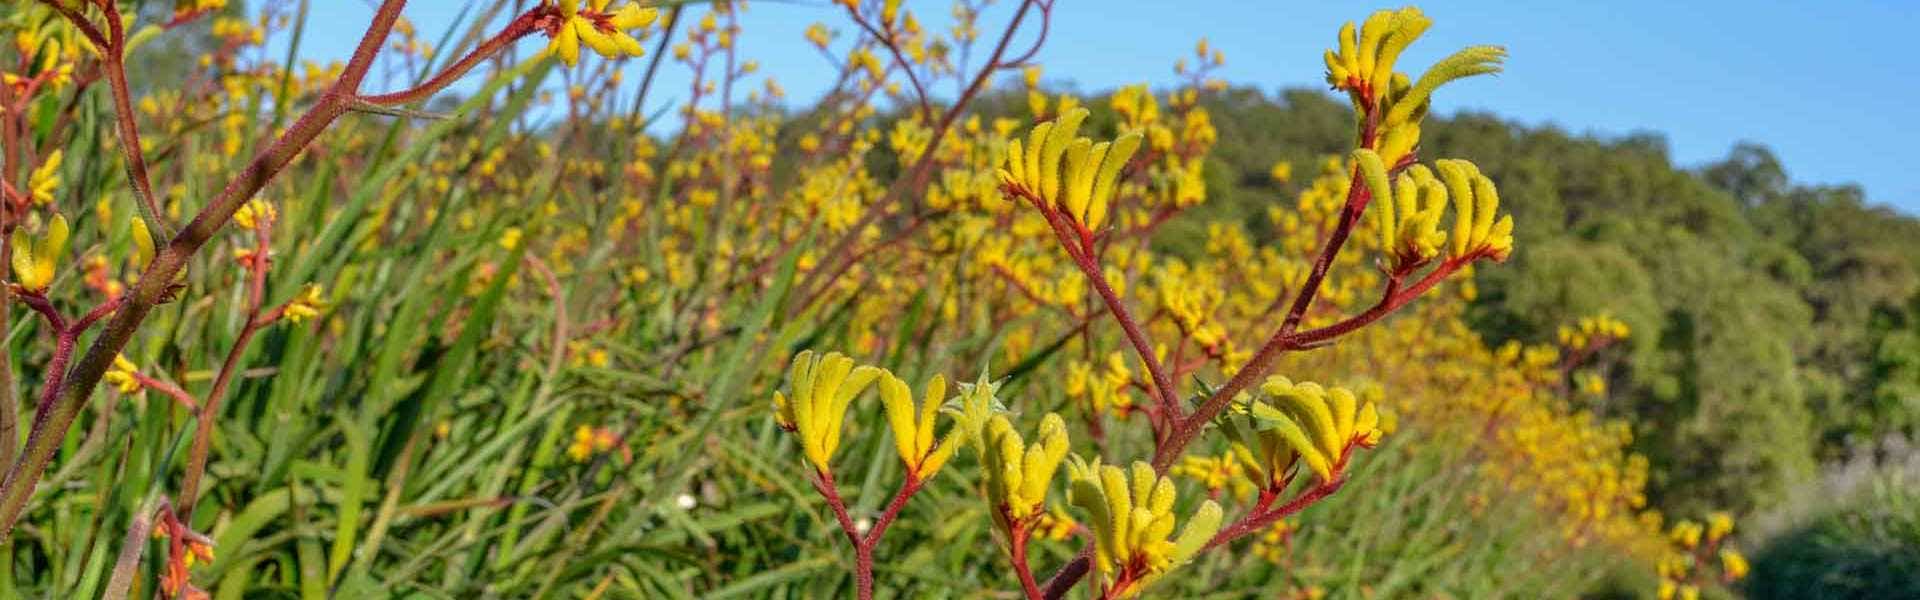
(907, 489)
(189, 493)
(93, 316)
(521, 26)
(1075, 239)
(1262, 518)
(129, 129)
(168, 388)
(1018, 535)
(863, 545)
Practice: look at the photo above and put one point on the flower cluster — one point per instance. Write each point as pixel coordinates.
(1070, 174)
(1301, 422)
(1017, 474)
(1131, 512)
(1363, 67)
(823, 386)
(603, 30)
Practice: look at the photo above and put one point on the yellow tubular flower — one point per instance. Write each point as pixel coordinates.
(1686, 534)
(1305, 422)
(822, 387)
(600, 29)
(913, 428)
(120, 375)
(1132, 518)
(1363, 66)
(1018, 475)
(35, 262)
(255, 213)
(1070, 173)
(1475, 231)
(143, 248)
(45, 179)
(306, 305)
(581, 448)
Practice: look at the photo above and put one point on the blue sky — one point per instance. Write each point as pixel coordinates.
(1829, 86)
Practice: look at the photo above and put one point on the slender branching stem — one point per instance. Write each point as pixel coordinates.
(64, 402)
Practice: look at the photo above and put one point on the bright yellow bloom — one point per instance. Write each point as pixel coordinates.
(1217, 473)
(1070, 173)
(581, 448)
(1281, 172)
(819, 35)
(1407, 214)
(602, 30)
(256, 213)
(1132, 519)
(1363, 67)
(307, 305)
(588, 441)
(913, 429)
(1686, 534)
(45, 180)
(143, 248)
(121, 375)
(35, 261)
(1475, 231)
(1055, 524)
(822, 387)
(1306, 422)
(1719, 524)
(1733, 564)
(1018, 475)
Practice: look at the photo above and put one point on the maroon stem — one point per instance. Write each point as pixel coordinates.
(1394, 299)
(1170, 411)
(1261, 519)
(863, 545)
(171, 390)
(1256, 367)
(521, 26)
(1069, 574)
(129, 130)
(887, 39)
(209, 412)
(907, 489)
